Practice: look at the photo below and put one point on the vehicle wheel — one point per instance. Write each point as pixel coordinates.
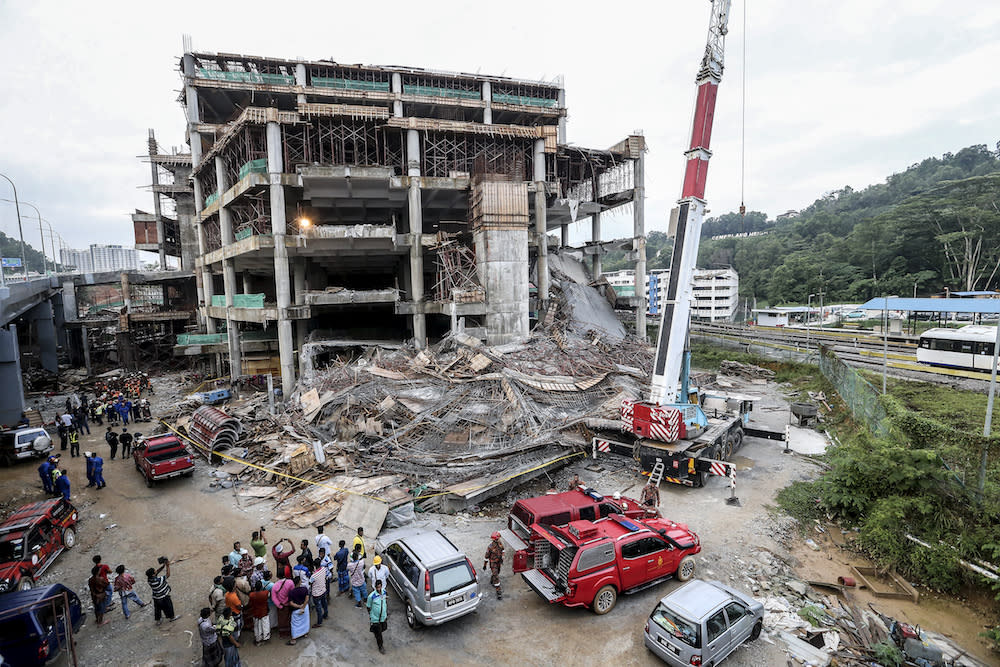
(189, 473)
(737, 439)
(69, 538)
(701, 478)
(7, 460)
(728, 447)
(26, 584)
(411, 617)
(149, 483)
(685, 569)
(756, 630)
(137, 467)
(605, 600)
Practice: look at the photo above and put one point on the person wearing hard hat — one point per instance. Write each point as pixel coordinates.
(378, 572)
(494, 558)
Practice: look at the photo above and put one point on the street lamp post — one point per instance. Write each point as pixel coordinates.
(808, 319)
(24, 263)
(45, 267)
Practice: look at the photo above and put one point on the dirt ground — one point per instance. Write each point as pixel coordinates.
(195, 524)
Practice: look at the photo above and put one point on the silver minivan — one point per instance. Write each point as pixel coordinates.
(701, 623)
(433, 578)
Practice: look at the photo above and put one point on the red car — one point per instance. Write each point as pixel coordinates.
(162, 457)
(590, 563)
(30, 540)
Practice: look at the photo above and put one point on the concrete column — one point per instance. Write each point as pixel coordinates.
(488, 98)
(126, 292)
(247, 283)
(541, 235)
(86, 349)
(397, 88)
(205, 287)
(45, 332)
(59, 318)
(282, 287)
(639, 224)
(561, 130)
(415, 216)
(228, 273)
(595, 236)
(417, 263)
(70, 312)
(299, 280)
(564, 236)
(12, 397)
(300, 80)
(157, 212)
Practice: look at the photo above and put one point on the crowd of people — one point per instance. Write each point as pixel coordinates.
(251, 593)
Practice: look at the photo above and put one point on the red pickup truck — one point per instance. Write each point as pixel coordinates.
(162, 457)
(30, 540)
(590, 563)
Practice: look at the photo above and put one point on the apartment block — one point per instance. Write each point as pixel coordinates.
(98, 258)
(715, 291)
(340, 202)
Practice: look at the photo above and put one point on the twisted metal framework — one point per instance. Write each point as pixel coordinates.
(250, 144)
(251, 213)
(447, 152)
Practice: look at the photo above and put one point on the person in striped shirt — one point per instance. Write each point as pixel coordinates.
(160, 587)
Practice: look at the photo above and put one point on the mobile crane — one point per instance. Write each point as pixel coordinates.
(676, 438)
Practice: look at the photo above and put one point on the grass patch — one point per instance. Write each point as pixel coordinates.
(801, 501)
(961, 410)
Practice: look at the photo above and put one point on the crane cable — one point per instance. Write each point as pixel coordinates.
(743, 126)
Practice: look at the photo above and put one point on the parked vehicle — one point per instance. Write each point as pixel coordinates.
(24, 443)
(161, 458)
(30, 540)
(558, 509)
(591, 563)
(969, 347)
(435, 580)
(214, 397)
(33, 624)
(701, 623)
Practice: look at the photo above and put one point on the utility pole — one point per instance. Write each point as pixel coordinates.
(988, 425)
(885, 343)
(45, 267)
(17, 207)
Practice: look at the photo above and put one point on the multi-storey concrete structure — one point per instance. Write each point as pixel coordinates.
(359, 202)
(169, 230)
(716, 291)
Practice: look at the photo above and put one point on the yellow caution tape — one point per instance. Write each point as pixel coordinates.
(265, 469)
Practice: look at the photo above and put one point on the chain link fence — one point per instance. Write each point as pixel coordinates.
(859, 395)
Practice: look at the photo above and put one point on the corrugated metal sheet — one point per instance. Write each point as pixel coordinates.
(214, 430)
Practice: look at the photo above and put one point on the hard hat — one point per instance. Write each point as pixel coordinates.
(279, 549)
(617, 496)
(495, 535)
(377, 560)
(259, 560)
(243, 552)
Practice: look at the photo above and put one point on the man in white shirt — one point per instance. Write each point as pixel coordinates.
(323, 542)
(378, 572)
(67, 419)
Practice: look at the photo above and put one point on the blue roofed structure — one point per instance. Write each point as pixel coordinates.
(934, 305)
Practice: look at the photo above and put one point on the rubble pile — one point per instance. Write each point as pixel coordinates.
(749, 371)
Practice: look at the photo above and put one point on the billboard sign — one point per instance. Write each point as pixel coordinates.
(10, 262)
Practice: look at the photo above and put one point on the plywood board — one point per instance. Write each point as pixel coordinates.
(365, 512)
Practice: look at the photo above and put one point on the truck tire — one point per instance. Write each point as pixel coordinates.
(149, 482)
(701, 478)
(69, 538)
(686, 568)
(42, 443)
(756, 630)
(605, 600)
(7, 459)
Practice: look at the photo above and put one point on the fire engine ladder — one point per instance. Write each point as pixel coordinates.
(656, 476)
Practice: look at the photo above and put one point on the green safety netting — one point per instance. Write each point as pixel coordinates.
(240, 300)
(258, 166)
(524, 100)
(433, 91)
(211, 199)
(349, 84)
(244, 233)
(200, 339)
(247, 77)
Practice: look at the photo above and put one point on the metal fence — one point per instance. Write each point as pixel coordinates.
(860, 396)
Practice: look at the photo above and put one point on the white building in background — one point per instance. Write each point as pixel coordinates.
(99, 258)
(716, 291)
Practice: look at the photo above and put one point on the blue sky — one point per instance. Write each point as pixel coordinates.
(837, 94)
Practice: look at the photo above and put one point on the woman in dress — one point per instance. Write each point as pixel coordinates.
(298, 600)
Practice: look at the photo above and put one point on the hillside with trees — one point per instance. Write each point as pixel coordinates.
(11, 247)
(934, 226)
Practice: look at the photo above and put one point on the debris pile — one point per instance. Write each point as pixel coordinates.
(749, 371)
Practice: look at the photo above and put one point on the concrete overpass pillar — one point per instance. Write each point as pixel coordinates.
(86, 349)
(58, 316)
(45, 332)
(639, 232)
(70, 312)
(595, 236)
(12, 397)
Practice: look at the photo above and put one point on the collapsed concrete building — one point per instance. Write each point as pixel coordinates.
(335, 204)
